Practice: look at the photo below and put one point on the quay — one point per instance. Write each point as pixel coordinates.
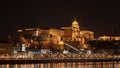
(35, 61)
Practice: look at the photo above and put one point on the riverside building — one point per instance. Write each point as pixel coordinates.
(54, 39)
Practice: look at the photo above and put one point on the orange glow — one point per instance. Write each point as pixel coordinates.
(20, 30)
(29, 29)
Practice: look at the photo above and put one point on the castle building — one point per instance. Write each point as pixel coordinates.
(72, 33)
(47, 38)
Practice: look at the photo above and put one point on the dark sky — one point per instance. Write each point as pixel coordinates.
(99, 17)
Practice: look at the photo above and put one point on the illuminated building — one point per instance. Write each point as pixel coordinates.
(67, 34)
(51, 37)
(45, 38)
(74, 34)
(109, 38)
(55, 38)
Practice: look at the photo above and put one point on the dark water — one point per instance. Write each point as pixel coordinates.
(65, 65)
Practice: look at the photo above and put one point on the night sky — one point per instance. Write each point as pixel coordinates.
(102, 17)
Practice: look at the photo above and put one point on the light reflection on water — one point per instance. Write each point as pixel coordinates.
(65, 65)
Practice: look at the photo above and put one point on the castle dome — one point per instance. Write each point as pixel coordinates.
(75, 24)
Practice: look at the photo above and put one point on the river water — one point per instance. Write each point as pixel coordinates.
(65, 65)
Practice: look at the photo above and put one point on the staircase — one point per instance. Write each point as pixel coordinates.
(68, 45)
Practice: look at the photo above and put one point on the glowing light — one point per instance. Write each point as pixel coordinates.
(29, 29)
(20, 30)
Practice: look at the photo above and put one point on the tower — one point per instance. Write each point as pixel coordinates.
(75, 30)
(75, 25)
(23, 48)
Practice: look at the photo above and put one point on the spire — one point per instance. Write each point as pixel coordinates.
(75, 19)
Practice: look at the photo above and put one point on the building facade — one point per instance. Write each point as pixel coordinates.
(55, 38)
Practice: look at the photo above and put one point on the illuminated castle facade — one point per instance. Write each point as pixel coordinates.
(74, 33)
(55, 38)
